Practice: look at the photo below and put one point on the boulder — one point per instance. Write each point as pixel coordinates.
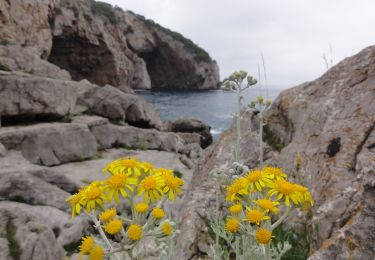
(111, 135)
(191, 125)
(112, 103)
(18, 58)
(52, 143)
(27, 98)
(26, 188)
(65, 229)
(27, 238)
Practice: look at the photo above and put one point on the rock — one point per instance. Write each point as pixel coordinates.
(330, 122)
(191, 125)
(3, 151)
(110, 135)
(118, 106)
(30, 239)
(19, 58)
(26, 98)
(23, 187)
(50, 144)
(134, 52)
(66, 230)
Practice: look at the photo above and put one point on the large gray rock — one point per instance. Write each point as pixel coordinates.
(26, 188)
(50, 144)
(65, 229)
(110, 135)
(31, 240)
(27, 97)
(18, 58)
(112, 103)
(191, 125)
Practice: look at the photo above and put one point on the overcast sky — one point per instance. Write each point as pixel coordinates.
(293, 35)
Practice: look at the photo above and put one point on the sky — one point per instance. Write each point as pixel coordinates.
(292, 35)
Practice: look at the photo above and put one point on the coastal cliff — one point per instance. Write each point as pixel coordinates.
(105, 45)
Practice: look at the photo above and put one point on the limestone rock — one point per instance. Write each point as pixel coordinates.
(118, 106)
(18, 58)
(32, 240)
(191, 125)
(110, 135)
(3, 151)
(26, 96)
(50, 144)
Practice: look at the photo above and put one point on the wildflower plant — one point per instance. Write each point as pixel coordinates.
(259, 199)
(145, 190)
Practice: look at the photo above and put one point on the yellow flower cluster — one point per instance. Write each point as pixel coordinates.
(258, 195)
(128, 180)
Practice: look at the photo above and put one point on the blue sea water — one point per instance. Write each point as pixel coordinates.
(214, 108)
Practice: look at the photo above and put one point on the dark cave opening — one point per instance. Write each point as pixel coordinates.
(83, 59)
(168, 71)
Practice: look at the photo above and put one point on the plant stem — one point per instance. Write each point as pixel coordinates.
(238, 257)
(238, 140)
(261, 140)
(102, 234)
(281, 219)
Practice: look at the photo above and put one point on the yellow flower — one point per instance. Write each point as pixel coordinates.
(113, 227)
(151, 186)
(97, 253)
(274, 172)
(135, 232)
(141, 207)
(238, 187)
(268, 205)
(166, 228)
(263, 236)
(75, 202)
(257, 179)
(119, 183)
(162, 171)
(255, 216)
(303, 195)
(172, 185)
(86, 245)
(124, 165)
(158, 213)
(147, 167)
(92, 195)
(108, 215)
(284, 189)
(232, 225)
(235, 209)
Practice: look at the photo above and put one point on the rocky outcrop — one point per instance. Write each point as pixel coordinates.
(330, 122)
(94, 41)
(191, 125)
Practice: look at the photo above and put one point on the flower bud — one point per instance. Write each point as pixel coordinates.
(268, 102)
(251, 81)
(252, 104)
(260, 100)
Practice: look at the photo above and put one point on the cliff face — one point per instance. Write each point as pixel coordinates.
(92, 40)
(331, 123)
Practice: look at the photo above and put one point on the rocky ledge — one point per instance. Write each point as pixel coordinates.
(103, 44)
(331, 123)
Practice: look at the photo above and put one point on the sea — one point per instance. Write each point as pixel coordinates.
(213, 107)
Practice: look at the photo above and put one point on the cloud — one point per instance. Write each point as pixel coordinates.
(293, 35)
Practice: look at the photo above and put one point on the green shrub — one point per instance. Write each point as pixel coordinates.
(200, 55)
(104, 9)
(14, 247)
(4, 42)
